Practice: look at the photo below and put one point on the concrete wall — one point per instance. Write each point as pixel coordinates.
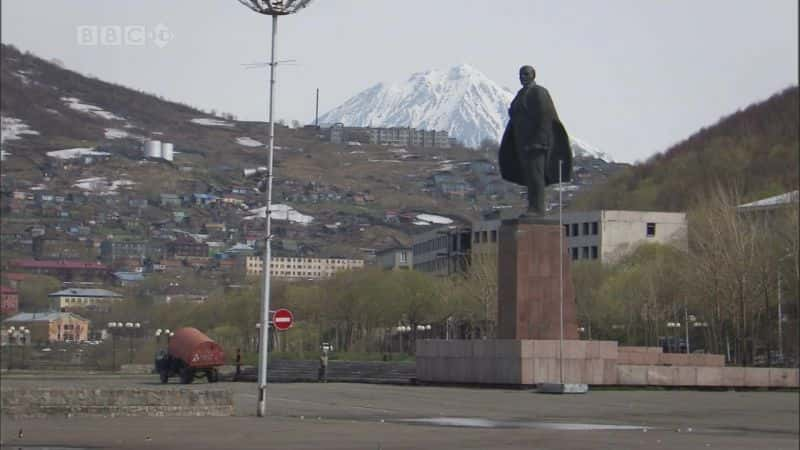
(110, 402)
(653, 356)
(752, 377)
(621, 231)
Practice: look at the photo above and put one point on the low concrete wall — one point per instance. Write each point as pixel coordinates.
(752, 377)
(653, 356)
(106, 402)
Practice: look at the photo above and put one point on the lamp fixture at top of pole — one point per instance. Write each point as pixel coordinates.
(275, 7)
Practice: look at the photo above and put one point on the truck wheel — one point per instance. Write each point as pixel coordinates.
(187, 375)
(212, 375)
(163, 375)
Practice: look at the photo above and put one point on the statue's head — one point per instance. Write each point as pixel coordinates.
(526, 75)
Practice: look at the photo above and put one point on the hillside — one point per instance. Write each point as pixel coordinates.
(754, 151)
(72, 135)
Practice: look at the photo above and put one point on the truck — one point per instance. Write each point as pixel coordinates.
(190, 354)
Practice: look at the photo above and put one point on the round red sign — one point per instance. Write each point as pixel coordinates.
(282, 319)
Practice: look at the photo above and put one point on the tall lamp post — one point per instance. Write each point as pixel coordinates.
(272, 8)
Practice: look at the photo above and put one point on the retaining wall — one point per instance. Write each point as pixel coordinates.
(114, 402)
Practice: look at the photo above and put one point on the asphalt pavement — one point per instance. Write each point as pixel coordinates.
(369, 416)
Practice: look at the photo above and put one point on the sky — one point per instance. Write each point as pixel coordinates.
(630, 77)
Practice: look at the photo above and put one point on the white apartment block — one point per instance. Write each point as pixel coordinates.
(292, 268)
(608, 235)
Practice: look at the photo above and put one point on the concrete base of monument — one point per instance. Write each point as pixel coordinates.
(526, 363)
(562, 388)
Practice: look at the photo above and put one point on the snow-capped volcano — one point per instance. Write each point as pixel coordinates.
(461, 100)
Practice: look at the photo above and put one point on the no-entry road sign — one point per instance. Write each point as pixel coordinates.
(282, 319)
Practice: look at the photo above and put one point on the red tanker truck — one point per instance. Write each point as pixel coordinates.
(189, 355)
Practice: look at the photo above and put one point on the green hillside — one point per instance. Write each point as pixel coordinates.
(753, 151)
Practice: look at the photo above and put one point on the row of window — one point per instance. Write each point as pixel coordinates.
(581, 229)
(484, 236)
(584, 252)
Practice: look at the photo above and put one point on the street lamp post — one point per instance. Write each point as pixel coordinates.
(112, 328)
(272, 8)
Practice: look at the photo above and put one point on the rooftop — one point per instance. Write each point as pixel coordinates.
(57, 264)
(41, 317)
(84, 293)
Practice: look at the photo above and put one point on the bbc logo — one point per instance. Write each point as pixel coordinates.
(123, 35)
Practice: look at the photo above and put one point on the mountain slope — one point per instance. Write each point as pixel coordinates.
(753, 151)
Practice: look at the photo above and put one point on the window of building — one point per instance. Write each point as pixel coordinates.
(594, 228)
(594, 252)
(585, 228)
(493, 236)
(574, 253)
(651, 229)
(403, 257)
(575, 229)
(584, 252)
(483, 236)
(566, 230)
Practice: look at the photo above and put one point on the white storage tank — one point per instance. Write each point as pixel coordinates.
(152, 149)
(166, 151)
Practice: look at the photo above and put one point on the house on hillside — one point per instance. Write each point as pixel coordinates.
(9, 300)
(66, 270)
(88, 299)
(49, 327)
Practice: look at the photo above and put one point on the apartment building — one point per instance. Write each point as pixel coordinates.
(399, 136)
(297, 268)
(90, 299)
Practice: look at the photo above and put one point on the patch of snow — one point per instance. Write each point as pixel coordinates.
(397, 150)
(432, 218)
(353, 144)
(211, 122)
(384, 160)
(421, 223)
(357, 152)
(281, 212)
(75, 103)
(248, 142)
(71, 153)
(114, 133)
(12, 128)
(101, 185)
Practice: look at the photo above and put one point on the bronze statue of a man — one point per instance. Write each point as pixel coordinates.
(534, 143)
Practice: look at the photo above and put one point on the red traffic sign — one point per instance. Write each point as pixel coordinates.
(282, 319)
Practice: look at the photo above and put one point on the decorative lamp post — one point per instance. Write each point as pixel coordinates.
(272, 8)
(131, 328)
(115, 328)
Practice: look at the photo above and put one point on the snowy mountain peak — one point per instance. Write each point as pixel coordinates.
(461, 100)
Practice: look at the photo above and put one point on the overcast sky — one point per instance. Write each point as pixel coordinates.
(631, 77)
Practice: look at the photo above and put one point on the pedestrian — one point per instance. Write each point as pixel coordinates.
(238, 365)
(323, 366)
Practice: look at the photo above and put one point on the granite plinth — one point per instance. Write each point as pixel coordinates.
(529, 283)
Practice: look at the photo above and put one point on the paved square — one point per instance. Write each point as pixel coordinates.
(366, 416)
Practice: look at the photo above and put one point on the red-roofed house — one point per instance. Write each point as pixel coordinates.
(9, 300)
(64, 269)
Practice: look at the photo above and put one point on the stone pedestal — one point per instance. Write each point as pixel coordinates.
(528, 283)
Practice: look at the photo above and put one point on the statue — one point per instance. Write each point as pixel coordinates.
(533, 144)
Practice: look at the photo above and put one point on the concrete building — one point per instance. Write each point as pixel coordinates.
(114, 249)
(66, 270)
(608, 235)
(399, 136)
(395, 258)
(51, 326)
(443, 251)
(89, 299)
(296, 268)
